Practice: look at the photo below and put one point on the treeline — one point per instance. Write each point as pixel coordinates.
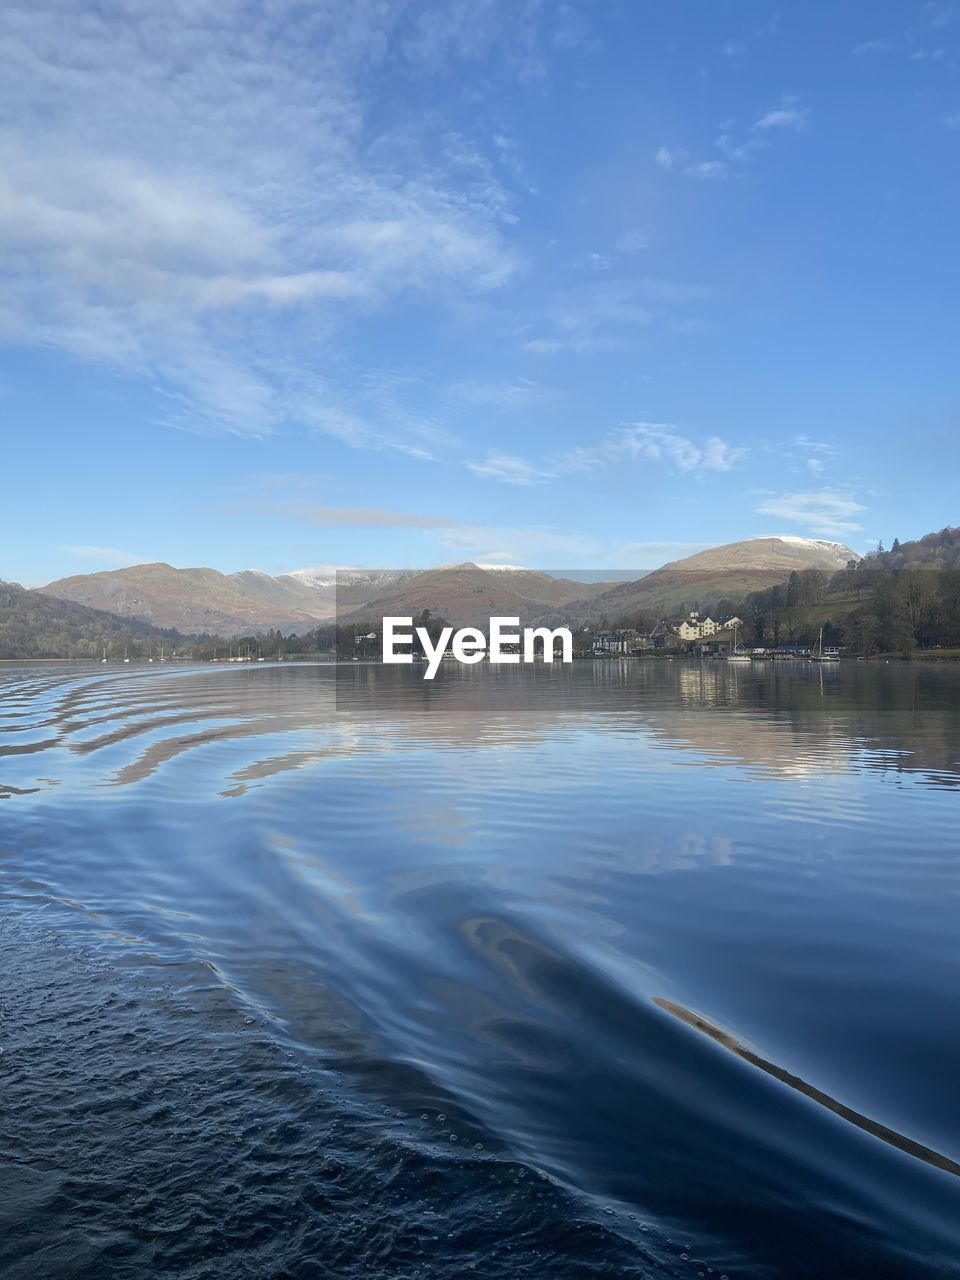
(892, 601)
(345, 640)
(33, 625)
(37, 626)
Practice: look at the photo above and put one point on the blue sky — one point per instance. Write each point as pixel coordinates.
(396, 283)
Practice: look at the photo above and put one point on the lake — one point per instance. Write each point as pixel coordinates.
(644, 968)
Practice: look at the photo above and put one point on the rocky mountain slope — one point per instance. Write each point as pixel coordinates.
(205, 600)
(701, 580)
(199, 600)
(33, 625)
(468, 593)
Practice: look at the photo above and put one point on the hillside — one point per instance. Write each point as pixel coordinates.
(205, 600)
(224, 604)
(726, 572)
(932, 551)
(199, 600)
(33, 625)
(470, 593)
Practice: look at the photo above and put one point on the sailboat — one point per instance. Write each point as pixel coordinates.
(104, 658)
(818, 654)
(736, 654)
(125, 658)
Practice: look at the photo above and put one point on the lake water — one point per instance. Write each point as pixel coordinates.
(645, 969)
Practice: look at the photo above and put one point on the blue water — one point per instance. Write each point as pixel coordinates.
(623, 969)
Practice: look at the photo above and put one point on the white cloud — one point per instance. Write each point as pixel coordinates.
(509, 469)
(937, 16)
(521, 545)
(813, 446)
(784, 117)
(708, 170)
(952, 121)
(359, 517)
(108, 555)
(738, 150)
(602, 316)
(521, 393)
(633, 242)
(653, 442)
(639, 442)
(197, 195)
(639, 556)
(828, 512)
(592, 317)
(597, 261)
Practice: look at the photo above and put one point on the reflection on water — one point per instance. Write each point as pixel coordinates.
(617, 969)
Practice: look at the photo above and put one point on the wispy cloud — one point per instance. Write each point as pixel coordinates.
(813, 446)
(520, 393)
(509, 469)
(361, 517)
(654, 442)
(930, 21)
(830, 512)
(522, 545)
(709, 170)
(738, 146)
(203, 200)
(783, 117)
(635, 241)
(644, 442)
(601, 316)
(105, 555)
(593, 260)
(937, 16)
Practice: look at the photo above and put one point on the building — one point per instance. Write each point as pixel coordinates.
(693, 627)
(610, 643)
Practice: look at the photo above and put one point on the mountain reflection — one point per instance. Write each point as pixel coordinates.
(776, 720)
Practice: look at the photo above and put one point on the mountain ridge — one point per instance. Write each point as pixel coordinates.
(204, 600)
(731, 570)
(33, 625)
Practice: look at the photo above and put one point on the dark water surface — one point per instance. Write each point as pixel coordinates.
(616, 970)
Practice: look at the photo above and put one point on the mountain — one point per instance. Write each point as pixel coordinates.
(33, 625)
(207, 601)
(471, 594)
(701, 580)
(200, 600)
(225, 604)
(932, 551)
